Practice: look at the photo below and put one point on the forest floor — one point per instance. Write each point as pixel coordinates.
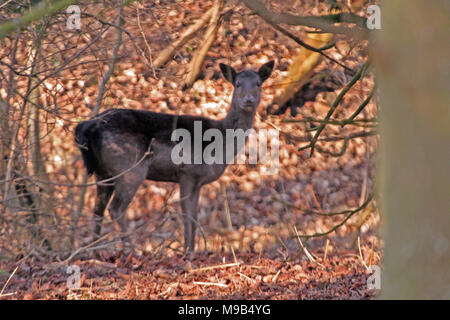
(206, 276)
(256, 256)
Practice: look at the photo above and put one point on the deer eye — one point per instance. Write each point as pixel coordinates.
(258, 84)
(238, 85)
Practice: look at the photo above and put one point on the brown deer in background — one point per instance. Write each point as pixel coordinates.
(131, 146)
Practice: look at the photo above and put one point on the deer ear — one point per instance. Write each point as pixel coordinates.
(228, 72)
(265, 70)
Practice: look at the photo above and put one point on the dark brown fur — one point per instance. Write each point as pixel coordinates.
(117, 139)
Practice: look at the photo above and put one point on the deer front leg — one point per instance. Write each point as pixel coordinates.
(189, 194)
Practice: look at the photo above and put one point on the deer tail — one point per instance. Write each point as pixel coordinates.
(86, 137)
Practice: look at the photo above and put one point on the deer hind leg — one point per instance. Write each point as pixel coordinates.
(124, 190)
(104, 193)
(189, 194)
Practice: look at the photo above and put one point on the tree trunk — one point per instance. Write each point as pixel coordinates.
(196, 64)
(43, 215)
(412, 58)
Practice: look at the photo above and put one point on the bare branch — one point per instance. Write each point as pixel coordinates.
(167, 53)
(325, 23)
(38, 11)
(334, 106)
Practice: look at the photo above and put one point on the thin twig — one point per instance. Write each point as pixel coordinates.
(5, 3)
(121, 28)
(360, 254)
(326, 250)
(227, 208)
(7, 281)
(65, 262)
(352, 212)
(311, 48)
(104, 182)
(246, 277)
(336, 102)
(276, 276)
(310, 257)
(220, 266)
(330, 139)
(145, 41)
(211, 284)
(325, 23)
(360, 108)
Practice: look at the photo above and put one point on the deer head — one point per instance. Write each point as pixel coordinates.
(247, 85)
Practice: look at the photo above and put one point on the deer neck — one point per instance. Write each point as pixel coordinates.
(237, 118)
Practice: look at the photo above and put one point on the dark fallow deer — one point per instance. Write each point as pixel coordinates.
(131, 146)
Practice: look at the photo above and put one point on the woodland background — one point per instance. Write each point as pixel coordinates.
(311, 231)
